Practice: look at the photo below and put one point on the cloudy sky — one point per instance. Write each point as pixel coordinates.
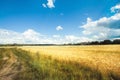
(58, 21)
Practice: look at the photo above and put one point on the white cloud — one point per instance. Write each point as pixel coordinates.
(89, 20)
(76, 39)
(8, 36)
(103, 28)
(28, 36)
(44, 5)
(32, 37)
(114, 8)
(31, 32)
(59, 28)
(56, 36)
(50, 3)
(86, 32)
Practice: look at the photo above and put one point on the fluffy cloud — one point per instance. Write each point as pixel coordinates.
(76, 39)
(32, 37)
(7, 36)
(115, 8)
(104, 28)
(50, 4)
(29, 36)
(44, 5)
(59, 28)
(56, 36)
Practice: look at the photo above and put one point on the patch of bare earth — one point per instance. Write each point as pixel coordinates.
(10, 67)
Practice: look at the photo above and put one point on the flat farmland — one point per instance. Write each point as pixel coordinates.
(90, 62)
(103, 58)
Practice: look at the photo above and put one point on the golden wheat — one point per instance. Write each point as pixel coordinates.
(105, 58)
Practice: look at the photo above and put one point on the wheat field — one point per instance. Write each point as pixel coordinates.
(90, 62)
(105, 58)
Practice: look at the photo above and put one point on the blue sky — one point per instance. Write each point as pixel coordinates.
(58, 21)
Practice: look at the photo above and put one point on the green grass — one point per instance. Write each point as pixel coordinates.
(41, 67)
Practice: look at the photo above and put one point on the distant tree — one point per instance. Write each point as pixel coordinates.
(116, 41)
(106, 42)
(94, 42)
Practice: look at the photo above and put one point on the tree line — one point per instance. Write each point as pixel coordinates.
(104, 42)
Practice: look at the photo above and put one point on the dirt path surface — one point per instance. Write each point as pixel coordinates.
(10, 65)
